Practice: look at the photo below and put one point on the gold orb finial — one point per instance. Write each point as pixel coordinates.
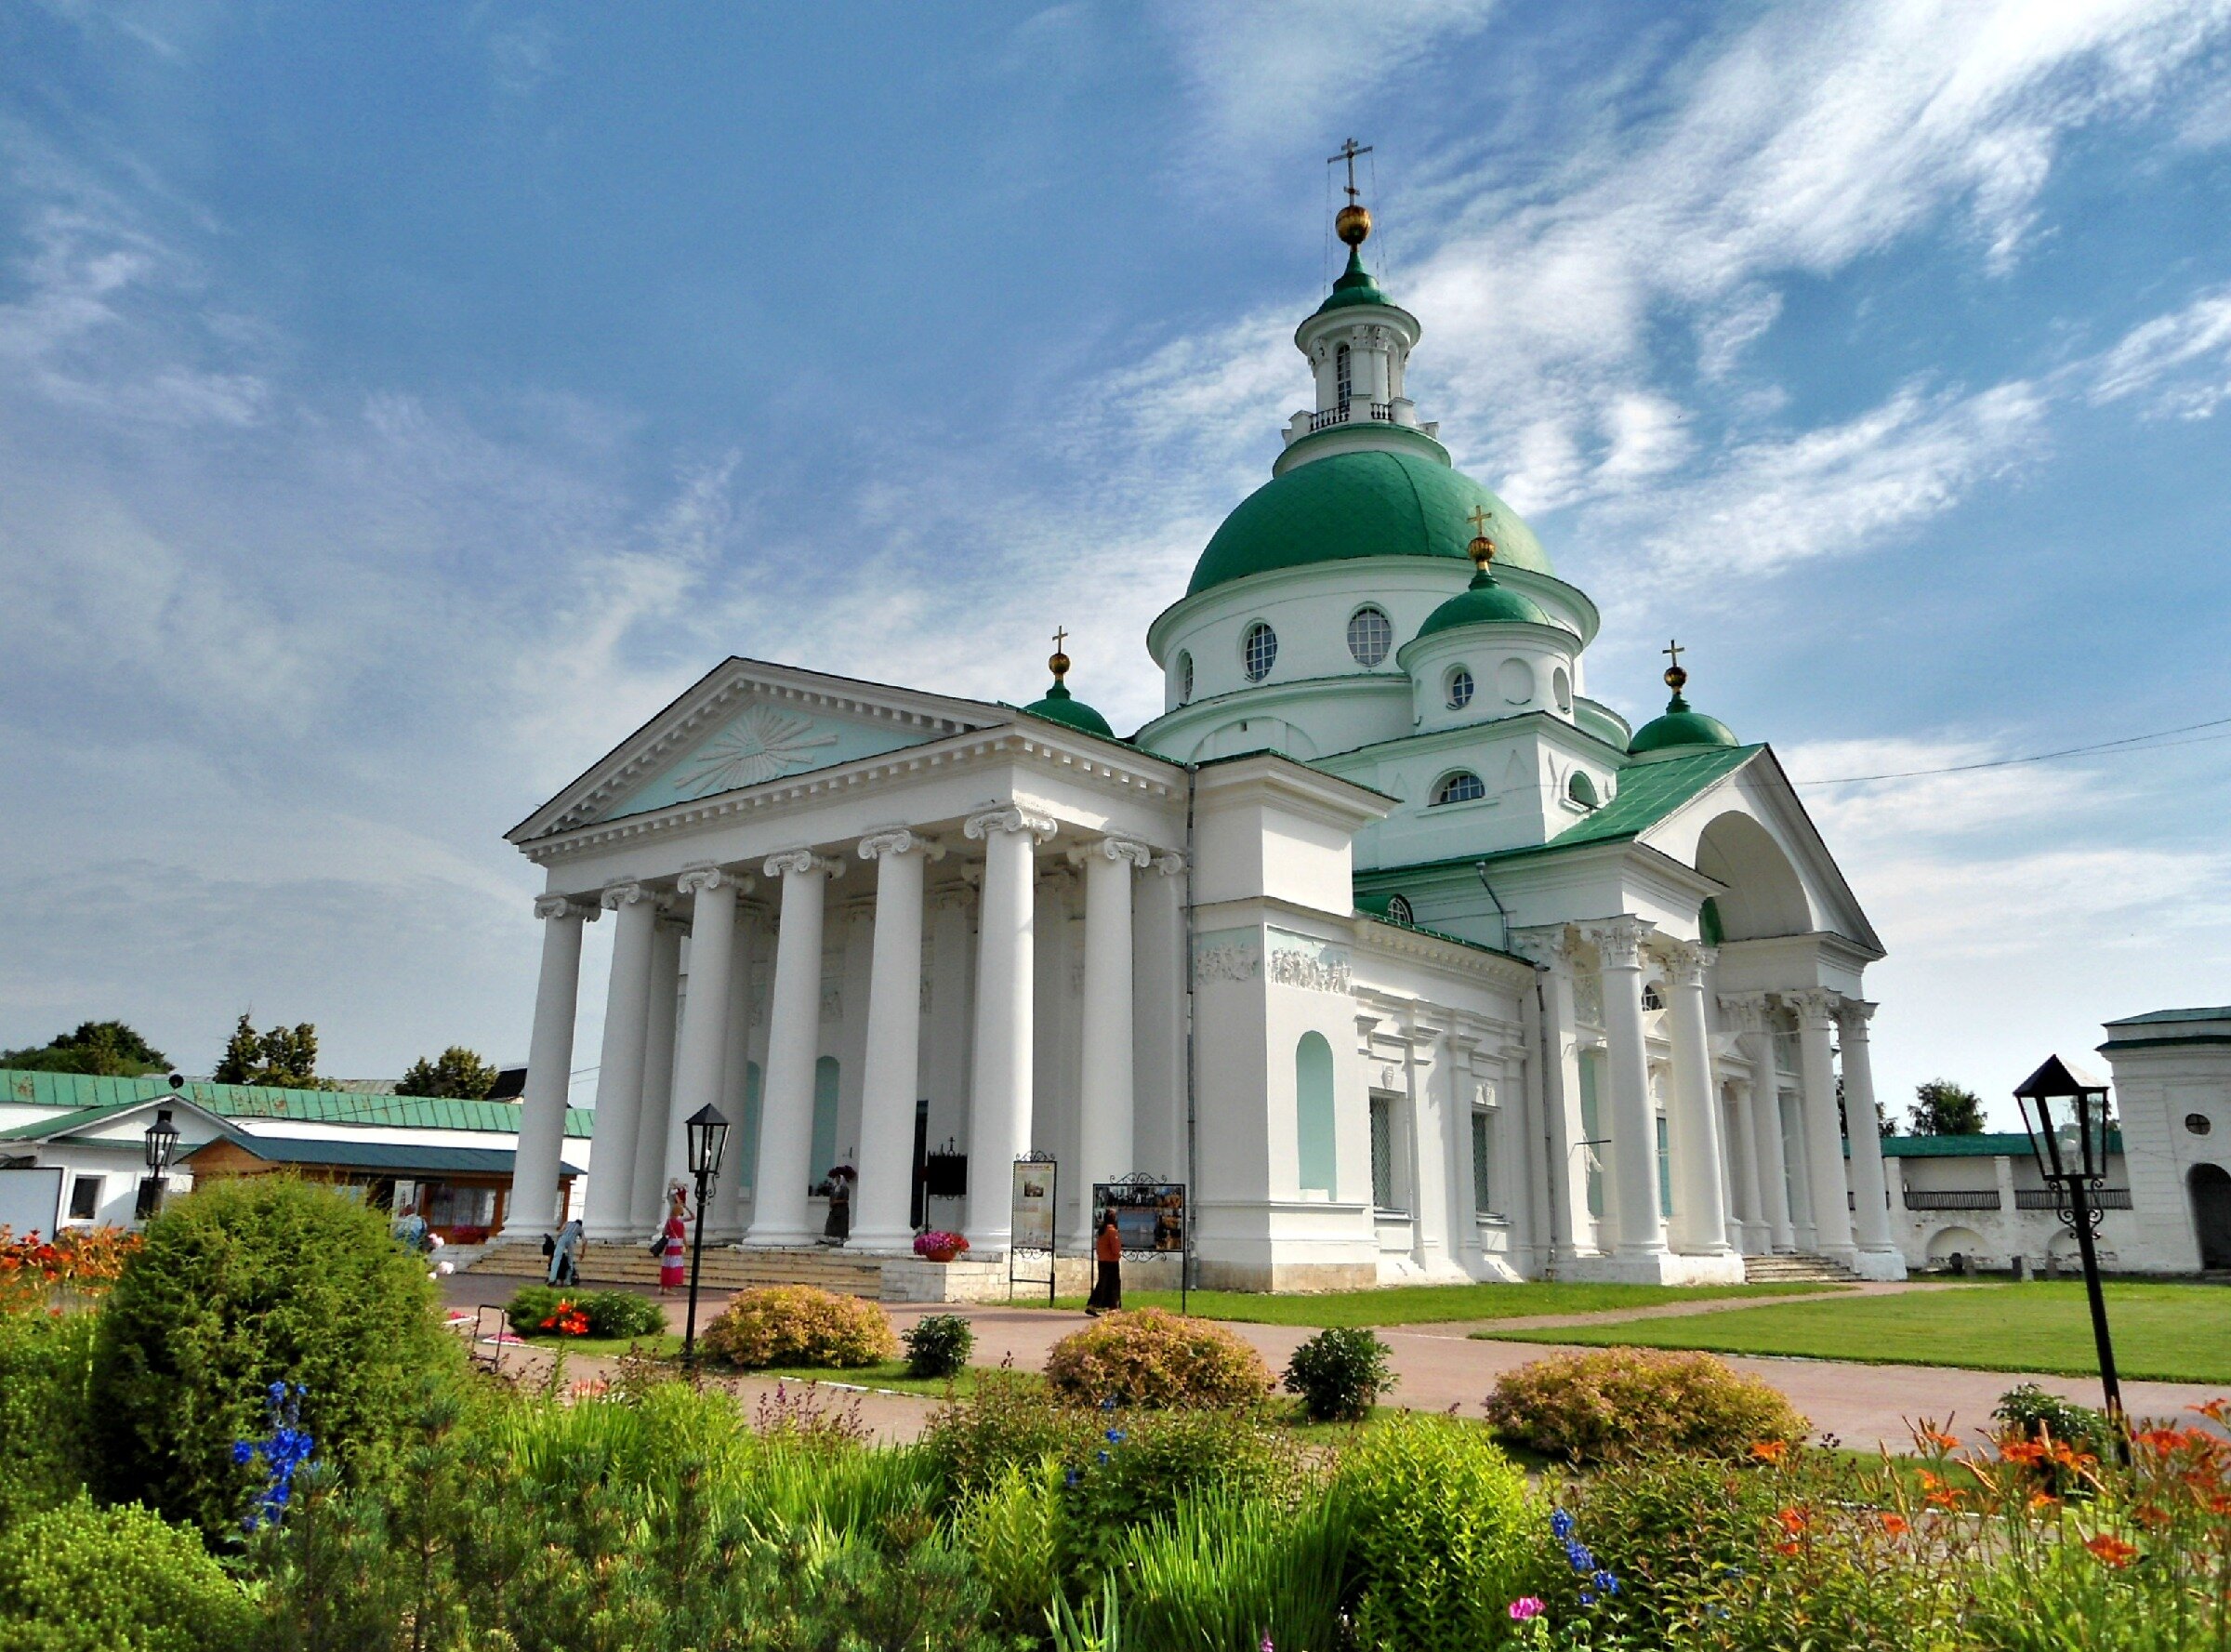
(1059, 663)
(1482, 548)
(1676, 678)
(1353, 224)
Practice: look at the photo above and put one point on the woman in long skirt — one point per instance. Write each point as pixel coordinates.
(674, 1261)
(1107, 1260)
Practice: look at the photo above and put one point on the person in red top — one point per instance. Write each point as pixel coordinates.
(1107, 1256)
(674, 1261)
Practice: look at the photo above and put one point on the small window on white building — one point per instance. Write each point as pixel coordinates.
(1370, 636)
(1386, 1192)
(1464, 787)
(1184, 676)
(1483, 1162)
(1258, 650)
(1461, 689)
(1398, 908)
(1344, 374)
(85, 1198)
(1581, 790)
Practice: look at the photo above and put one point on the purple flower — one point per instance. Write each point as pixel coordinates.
(1561, 1525)
(1527, 1607)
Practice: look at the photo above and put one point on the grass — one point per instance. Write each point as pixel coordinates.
(666, 1345)
(2170, 1333)
(890, 1374)
(1434, 1304)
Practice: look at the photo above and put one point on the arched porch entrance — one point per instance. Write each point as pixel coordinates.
(2211, 1188)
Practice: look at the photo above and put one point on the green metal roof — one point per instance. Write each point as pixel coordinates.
(1061, 706)
(1484, 602)
(1990, 1144)
(74, 1091)
(2156, 1017)
(381, 1156)
(1353, 505)
(1648, 792)
(63, 1124)
(1356, 285)
(1678, 727)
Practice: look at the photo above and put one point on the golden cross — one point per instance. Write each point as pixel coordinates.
(1480, 518)
(1349, 151)
(1061, 635)
(1674, 651)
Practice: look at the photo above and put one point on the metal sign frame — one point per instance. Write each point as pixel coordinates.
(1167, 1206)
(1027, 1168)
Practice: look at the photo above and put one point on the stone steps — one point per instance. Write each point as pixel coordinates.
(1795, 1269)
(723, 1268)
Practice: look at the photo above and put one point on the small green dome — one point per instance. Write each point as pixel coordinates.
(1356, 286)
(1061, 706)
(1680, 729)
(1484, 602)
(1354, 505)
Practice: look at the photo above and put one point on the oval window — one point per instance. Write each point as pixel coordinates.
(1184, 678)
(1258, 652)
(1562, 683)
(1370, 635)
(2200, 1124)
(1461, 689)
(1464, 787)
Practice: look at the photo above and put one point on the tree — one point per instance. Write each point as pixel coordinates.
(286, 1057)
(107, 1048)
(456, 1072)
(1944, 1108)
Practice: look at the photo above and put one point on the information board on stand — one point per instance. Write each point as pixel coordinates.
(1029, 1224)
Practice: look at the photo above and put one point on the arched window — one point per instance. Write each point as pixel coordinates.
(1259, 652)
(825, 1118)
(1398, 908)
(1315, 1140)
(1581, 790)
(1370, 635)
(1461, 689)
(1462, 787)
(1342, 367)
(1184, 676)
(1562, 683)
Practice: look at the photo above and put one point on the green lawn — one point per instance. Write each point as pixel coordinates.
(890, 1374)
(663, 1346)
(1428, 1305)
(2174, 1333)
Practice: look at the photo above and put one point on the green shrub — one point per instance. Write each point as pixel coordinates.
(1339, 1373)
(1441, 1536)
(796, 1324)
(2033, 1413)
(1149, 1356)
(1230, 1572)
(245, 1282)
(1013, 1531)
(80, 1579)
(939, 1345)
(45, 1363)
(1139, 1467)
(1603, 1405)
(1008, 1422)
(611, 1314)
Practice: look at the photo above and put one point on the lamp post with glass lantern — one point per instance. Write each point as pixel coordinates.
(2072, 1157)
(162, 1146)
(707, 1130)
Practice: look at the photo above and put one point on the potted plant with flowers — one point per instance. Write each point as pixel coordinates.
(937, 1245)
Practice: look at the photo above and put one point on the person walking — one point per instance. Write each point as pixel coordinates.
(1107, 1259)
(565, 1254)
(674, 1260)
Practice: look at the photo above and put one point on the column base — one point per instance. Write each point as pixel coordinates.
(621, 1233)
(795, 1239)
(1662, 1267)
(1879, 1264)
(892, 1242)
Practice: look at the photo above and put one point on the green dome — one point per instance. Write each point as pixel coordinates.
(1679, 729)
(1353, 505)
(1356, 286)
(1484, 602)
(1061, 706)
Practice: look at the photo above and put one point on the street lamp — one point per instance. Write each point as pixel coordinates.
(162, 1146)
(707, 1130)
(2072, 1157)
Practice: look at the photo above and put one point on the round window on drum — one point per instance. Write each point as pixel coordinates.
(1370, 635)
(1259, 652)
(1461, 689)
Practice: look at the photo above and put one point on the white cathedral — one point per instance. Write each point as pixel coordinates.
(1411, 960)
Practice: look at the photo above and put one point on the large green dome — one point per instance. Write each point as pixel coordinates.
(1353, 505)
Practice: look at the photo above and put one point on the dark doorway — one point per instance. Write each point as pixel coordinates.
(915, 1204)
(2211, 1187)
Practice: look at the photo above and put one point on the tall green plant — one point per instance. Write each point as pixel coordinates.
(1225, 1573)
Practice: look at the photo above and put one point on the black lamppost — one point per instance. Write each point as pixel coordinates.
(2072, 1157)
(707, 1130)
(162, 1146)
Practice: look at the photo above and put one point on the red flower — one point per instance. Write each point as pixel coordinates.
(2111, 1551)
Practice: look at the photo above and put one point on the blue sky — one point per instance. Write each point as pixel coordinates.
(398, 402)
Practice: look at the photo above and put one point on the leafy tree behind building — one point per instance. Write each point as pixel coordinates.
(108, 1049)
(1944, 1108)
(456, 1072)
(286, 1057)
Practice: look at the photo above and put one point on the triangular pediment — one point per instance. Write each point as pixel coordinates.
(748, 723)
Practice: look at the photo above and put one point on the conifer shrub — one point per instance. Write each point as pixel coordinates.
(1610, 1404)
(797, 1324)
(81, 1578)
(245, 1283)
(1149, 1356)
(1339, 1373)
(45, 1363)
(608, 1314)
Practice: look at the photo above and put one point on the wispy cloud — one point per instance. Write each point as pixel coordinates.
(2190, 349)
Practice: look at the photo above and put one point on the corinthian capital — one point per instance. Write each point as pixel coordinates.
(1852, 1016)
(623, 894)
(898, 840)
(1012, 818)
(1544, 948)
(1619, 941)
(1686, 962)
(567, 906)
(801, 860)
(1815, 1006)
(706, 880)
(1744, 1012)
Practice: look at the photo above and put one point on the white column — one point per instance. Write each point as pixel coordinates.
(648, 1203)
(1758, 1233)
(1106, 1101)
(1633, 1122)
(620, 1067)
(1877, 1249)
(704, 1042)
(1572, 1229)
(1158, 1083)
(1823, 1132)
(779, 1212)
(890, 1086)
(724, 1222)
(1432, 1063)
(532, 1210)
(1000, 1091)
(1746, 1014)
(1693, 1124)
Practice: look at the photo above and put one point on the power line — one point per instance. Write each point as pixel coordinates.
(2039, 756)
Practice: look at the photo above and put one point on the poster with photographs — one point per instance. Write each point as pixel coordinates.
(1034, 1205)
(1149, 1216)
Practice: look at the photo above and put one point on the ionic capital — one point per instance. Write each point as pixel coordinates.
(900, 840)
(1686, 962)
(1619, 941)
(801, 861)
(548, 907)
(1114, 849)
(623, 894)
(1169, 865)
(1852, 1016)
(706, 880)
(1010, 819)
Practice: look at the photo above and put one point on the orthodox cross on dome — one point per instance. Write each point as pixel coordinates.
(1349, 151)
(1059, 664)
(1483, 546)
(1675, 677)
(1352, 223)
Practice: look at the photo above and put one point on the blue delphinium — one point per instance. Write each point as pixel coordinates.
(286, 1448)
(1598, 1582)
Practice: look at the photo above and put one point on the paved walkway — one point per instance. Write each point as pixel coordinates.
(1441, 1367)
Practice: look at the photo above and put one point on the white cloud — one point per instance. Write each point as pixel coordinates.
(2191, 347)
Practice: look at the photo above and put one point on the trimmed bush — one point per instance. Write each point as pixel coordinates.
(613, 1314)
(1440, 1541)
(1339, 1373)
(1610, 1404)
(939, 1345)
(45, 1364)
(245, 1282)
(796, 1324)
(79, 1579)
(1149, 1356)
